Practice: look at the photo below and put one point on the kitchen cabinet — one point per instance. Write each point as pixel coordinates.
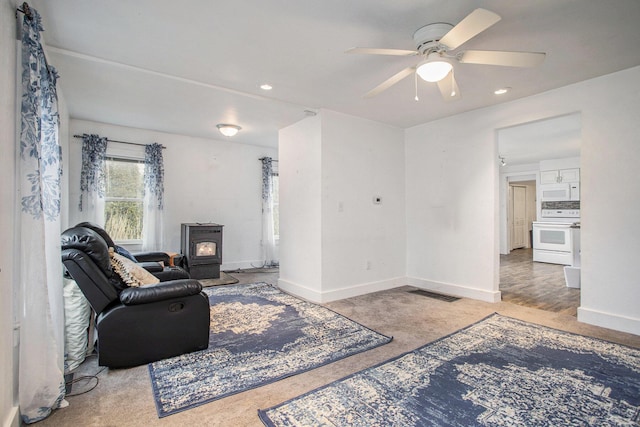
(561, 175)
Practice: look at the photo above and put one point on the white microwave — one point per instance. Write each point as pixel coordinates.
(560, 192)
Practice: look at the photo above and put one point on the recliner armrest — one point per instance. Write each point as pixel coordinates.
(160, 291)
(153, 256)
(151, 266)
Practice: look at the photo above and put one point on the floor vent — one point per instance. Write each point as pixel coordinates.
(434, 295)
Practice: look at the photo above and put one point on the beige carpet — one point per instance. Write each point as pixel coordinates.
(225, 279)
(124, 397)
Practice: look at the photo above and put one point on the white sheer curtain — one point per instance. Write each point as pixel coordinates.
(92, 178)
(152, 239)
(41, 359)
(269, 247)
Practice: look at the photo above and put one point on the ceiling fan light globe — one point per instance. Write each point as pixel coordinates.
(433, 71)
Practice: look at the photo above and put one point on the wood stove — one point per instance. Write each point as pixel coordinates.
(201, 247)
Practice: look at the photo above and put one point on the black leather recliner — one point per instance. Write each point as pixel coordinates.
(135, 325)
(156, 263)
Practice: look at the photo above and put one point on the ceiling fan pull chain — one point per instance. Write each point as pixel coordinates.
(453, 84)
(415, 80)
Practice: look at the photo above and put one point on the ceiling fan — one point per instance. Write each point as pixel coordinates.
(435, 44)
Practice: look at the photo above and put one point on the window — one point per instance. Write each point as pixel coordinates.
(124, 196)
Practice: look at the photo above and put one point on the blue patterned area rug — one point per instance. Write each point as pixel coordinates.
(497, 372)
(258, 335)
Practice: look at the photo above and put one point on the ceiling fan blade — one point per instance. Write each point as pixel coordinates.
(449, 88)
(374, 51)
(390, 82)
(505, 58)
(474, 23)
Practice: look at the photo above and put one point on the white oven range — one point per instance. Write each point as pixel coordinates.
(553, 242)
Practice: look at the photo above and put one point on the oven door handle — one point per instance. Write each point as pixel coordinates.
(552, 225)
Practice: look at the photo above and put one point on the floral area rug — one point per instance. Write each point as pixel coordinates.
(497, 372)
(259, 335)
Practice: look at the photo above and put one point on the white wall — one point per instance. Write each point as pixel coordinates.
(299, 168)
(8, 374)
(451, 207)
(363, 244)
(610, 201)
(452, 197)
(335, 242)
(206, 180)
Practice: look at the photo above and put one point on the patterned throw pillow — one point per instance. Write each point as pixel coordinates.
(125, 253)
(130, 272)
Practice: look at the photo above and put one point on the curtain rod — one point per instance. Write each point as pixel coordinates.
(122, 142)
(26, 10)
(262, 158)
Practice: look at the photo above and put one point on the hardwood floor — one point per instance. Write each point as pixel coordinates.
(536, 284)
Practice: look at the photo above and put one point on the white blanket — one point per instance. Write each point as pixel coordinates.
(77, 316)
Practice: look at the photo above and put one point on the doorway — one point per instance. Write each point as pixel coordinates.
(518, 229)
(521, 211)
(521, 149)
(523, 281)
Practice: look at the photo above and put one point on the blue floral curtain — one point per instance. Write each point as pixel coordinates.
(93, 177)
(152, 239)
(41, 359)
(154, 173)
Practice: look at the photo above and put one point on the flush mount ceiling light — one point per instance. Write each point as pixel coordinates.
(266, 86)
(502, 90)
(228, 130)
(434, 68)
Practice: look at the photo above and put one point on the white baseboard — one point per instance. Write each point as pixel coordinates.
(300, 291)
(455, 290)
(337, 294)
(609, 320)
(13, 418)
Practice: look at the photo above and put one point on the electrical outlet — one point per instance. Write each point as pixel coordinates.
(367, 265)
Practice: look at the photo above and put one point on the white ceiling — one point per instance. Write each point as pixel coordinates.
(183, 67)
(554, 138)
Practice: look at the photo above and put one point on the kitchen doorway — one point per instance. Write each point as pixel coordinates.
(520, 150)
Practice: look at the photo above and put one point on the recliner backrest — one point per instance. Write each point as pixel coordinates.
(90, 242)
(101, 231)
(85, 255)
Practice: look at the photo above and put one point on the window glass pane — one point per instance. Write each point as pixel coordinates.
(124, 199)
(123, 219)
(124, 179)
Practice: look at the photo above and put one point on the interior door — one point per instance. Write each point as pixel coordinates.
(519, 229)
